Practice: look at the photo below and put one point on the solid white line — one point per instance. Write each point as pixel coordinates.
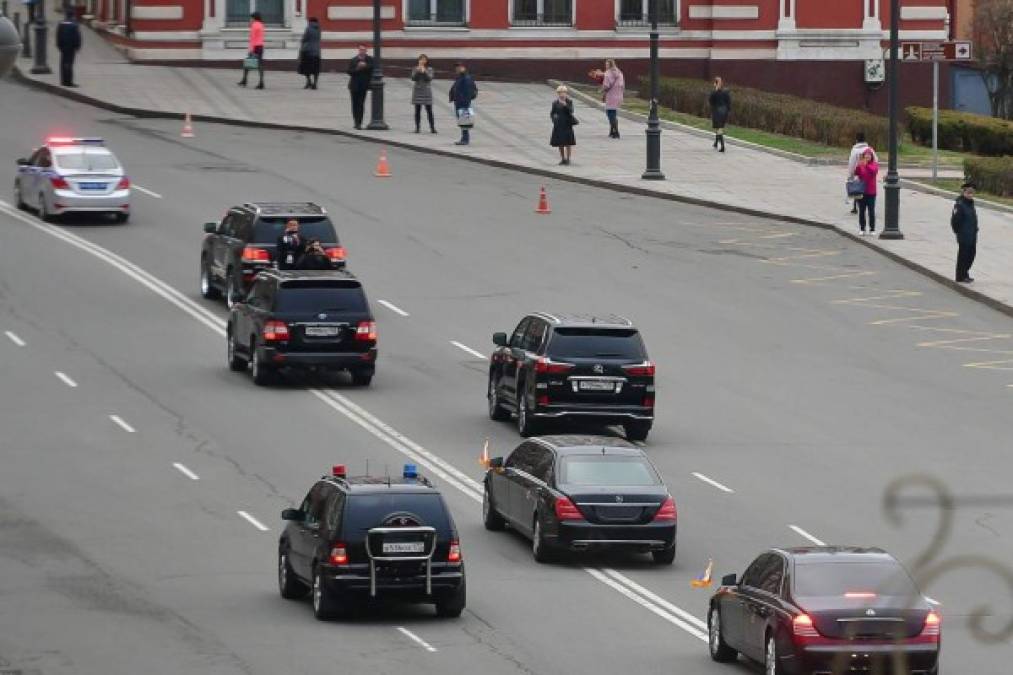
(468, 349)
(650, 606)
(186, 472)
(681, 613)
(123, 425)
(416, 639)
(394, 308)
(253, 521)
(932, 601)
(800, 531)
(14, 338)
(147, 191)
(711, 481)
(66, 380)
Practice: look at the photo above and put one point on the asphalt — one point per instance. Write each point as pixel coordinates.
(796, 368)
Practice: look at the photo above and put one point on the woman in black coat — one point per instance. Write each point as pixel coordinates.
(309, 53)
(721, 105)
(563, 122)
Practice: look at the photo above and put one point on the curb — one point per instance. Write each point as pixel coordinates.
(940, 192)
(998, 305)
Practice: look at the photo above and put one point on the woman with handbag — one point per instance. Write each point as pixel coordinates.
(613, 90)
(422, 93)
(309, 53)
(255, 55)
(563, 122)
(868, 171)
(462, 93)
(721, 105)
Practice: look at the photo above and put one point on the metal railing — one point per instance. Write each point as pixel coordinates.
(560, 19)
(644, 21)
(435, 20)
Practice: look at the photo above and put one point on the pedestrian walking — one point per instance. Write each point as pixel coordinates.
(360, 73)
(255, 49)
(563, 122)
(857, 150)
(721, 105)
(964, 222)
(68, 41)
(422, 93)
(868, 171)
(613, 91)
(462, 93)
(309, 53)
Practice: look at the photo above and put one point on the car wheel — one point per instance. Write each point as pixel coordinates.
(451, 604)
(236, 362)
(324, 605)
(360, 379)
(19, 199)
(490, 516)
(540, 549)
(637, 431)
(262, 374)
(44, 214)
(665, 556)
(770, 666)
(719, 650)
(231, 289)
(526, 426)
(207, 287)
(496, 410)
(288, 584)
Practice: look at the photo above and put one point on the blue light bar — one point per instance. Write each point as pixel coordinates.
(411, 471)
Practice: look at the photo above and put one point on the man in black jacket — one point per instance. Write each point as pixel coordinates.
(315, 257)
(290, 246)
(360, 72)
(462, 93)
(964, 222)
(68, 41)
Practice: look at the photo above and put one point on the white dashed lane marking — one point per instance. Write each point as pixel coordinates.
(66, 380)
(147, 191)
(14, 338)
(122, 425)
(473, 352)
(416, 639)
(188, 473)
(253, 521)
(798, 530)
(711, 481)
(394, 308)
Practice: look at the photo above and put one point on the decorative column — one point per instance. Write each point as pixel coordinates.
(872, 22)
(787, 20)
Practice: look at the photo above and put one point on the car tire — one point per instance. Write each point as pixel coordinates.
(665, 556)
(44, 214)
(637, 431)
(452, 603)
(237, 363)
(325, 607)
(19, 199)
(263, 374)
(490, 516)
(207, 286)
(231, 289)
(496, 410)
(526, 426)
(360, 379)
(541, 550)
(121, 217)
(719, 649)
(770, 662)
(290, 587)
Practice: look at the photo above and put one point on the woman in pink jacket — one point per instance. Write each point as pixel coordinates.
(868, 171)
(256, 48)
(613, 89)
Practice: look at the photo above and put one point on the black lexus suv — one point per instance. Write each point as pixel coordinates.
(361, 538)
(575, 367)
(303, 320)
(243, 244)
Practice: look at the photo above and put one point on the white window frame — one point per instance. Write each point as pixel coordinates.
(541, 12)
(646, 7)
(466, 20)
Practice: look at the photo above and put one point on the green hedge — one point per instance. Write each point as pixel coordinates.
(991, 174)
(776, 113)
(968, 132)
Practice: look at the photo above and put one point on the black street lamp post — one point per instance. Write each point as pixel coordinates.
(376, 82)
(26, 39)
(40, 67)
(891, 228)
(653, 132)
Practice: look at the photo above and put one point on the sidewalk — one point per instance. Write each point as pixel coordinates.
(513, 129)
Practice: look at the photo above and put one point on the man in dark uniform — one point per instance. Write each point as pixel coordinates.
(964, 222)
(290, 247)
(315, 258)
(68, 41)
(360, 73)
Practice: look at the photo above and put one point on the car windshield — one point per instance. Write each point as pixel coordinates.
(602, 470)
(312, 296)
(591, 343)
(366, 511)
(835, 579)
(85, 161)
(268, 229)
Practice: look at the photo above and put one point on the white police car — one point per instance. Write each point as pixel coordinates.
(73, 175)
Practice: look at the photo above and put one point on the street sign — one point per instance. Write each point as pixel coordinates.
(936, 51)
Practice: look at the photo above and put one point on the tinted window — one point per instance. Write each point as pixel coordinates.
(314, 297)
(86, 161)
(333, 516)
(313, 505)
(363, 512)
(517, 339)
(606, 470)
(596, 343)
(771, 575)
(541, 463)
(533, 336)
(836, 579)
(268, 229)
(751, 577)
(522, 458)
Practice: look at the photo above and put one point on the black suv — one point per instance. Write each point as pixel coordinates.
(303, 320)
(243, 244)
(557, 366)
(359, 538)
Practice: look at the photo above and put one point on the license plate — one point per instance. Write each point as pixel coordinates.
(404, 547)
(596, 385)
(322, 331)
(92, 186)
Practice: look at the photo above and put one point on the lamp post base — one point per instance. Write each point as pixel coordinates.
(377, 126)
(891, 234)
(652, 175)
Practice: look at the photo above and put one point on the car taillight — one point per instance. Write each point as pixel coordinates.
(124, 184)
(645, 369)
(931, 628)
(454, 555)
(339, 554)
(366, 331)
(566, 510)
(59, 183)
(547, 365)
(802, 626)
(275, 330)
(648, 402)
(667, 511)
(335, 253)
(254, 254)
(543, 399)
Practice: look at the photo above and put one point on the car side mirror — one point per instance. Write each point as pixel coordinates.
(496, 463)
(499, 339)
(22, 162)
(210, 228)
(293, 514)
(729, 580)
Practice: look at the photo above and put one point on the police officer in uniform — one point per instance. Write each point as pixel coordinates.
(964, 222)
(68, 41)
(290, 247)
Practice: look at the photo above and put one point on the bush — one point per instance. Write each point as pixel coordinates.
(968, 132)
(776, 113)
(991, 174)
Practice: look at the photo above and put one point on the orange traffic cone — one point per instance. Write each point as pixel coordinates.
(543, 202)
(382, 167)
(187, 127)
(484, 459)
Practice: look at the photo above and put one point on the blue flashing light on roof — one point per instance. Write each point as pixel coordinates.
(411, 471)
